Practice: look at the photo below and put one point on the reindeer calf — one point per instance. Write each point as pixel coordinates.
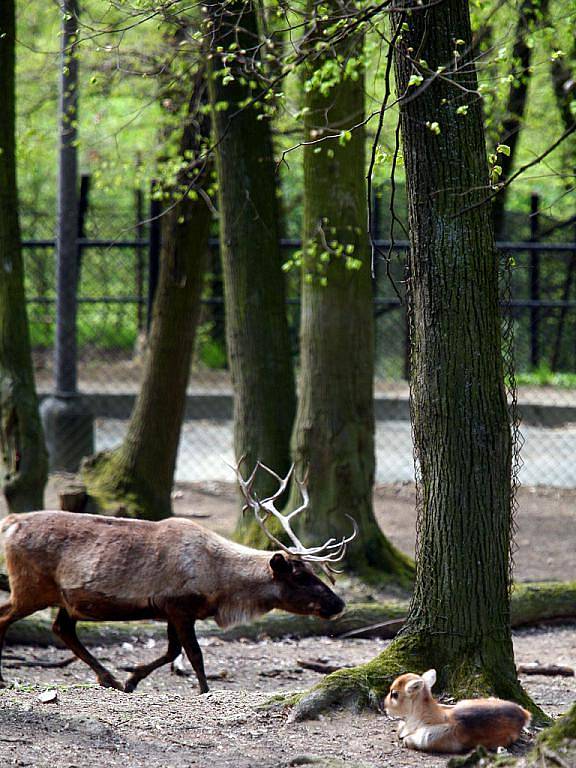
(433, 727)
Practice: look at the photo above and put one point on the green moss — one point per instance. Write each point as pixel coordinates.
(464, 675)
(562, 731)
(542, 600)
(365, 685)
(114, 490)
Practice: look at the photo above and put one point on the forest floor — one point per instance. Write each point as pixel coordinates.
(166, 724)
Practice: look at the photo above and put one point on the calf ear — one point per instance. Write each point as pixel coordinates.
(280, 565)
(429, 678)
(413, 686)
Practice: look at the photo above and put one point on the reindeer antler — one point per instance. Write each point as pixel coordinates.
(332, 551)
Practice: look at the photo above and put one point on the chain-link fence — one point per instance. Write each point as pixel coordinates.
(115, 289)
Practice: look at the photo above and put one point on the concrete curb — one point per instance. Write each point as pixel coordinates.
(220, 407)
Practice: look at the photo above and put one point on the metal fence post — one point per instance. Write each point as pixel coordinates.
(83, 204)
(68, 424)
(534, 282)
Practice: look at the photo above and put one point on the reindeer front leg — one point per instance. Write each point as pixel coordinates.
(184, 626)
(143, 670)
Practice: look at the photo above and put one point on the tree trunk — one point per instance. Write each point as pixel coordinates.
(136, 478)
(333, 438)
(23, 458)
(563, 73)
(459, 619)
(256, 323)
(530, 13)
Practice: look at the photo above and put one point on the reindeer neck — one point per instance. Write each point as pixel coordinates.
(245, 585)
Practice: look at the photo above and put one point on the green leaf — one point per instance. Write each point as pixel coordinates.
(415, 80)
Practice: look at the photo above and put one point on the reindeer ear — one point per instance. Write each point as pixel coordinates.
(280, 565)
(429, 678)
(413, 686)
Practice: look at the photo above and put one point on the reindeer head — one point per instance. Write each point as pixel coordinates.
(299, 589)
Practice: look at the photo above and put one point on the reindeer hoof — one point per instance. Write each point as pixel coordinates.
(130, 685)
(108, 681)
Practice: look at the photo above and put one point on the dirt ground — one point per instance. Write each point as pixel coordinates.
(166, 724)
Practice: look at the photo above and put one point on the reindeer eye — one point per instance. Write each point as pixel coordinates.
(393, 694)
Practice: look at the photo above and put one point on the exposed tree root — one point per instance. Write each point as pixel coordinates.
(468, 675)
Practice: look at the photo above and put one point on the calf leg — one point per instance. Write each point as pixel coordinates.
(143, 670)
(185, 629)
(65, 628)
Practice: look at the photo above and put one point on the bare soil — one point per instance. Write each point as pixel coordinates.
(166, 724)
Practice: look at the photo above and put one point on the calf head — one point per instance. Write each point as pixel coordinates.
(409, 693)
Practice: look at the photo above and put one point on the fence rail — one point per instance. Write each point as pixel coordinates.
(115, 294)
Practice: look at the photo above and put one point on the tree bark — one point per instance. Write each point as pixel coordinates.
(563, 73)
(459, 619)
(530, 13)
(23, 457)
(333, 439)
(256, 323)
(136, 478)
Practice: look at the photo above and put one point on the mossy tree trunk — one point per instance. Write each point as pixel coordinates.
(23, 458)
(136, 478)
(256, 323)
(459, 618)
(333, 439)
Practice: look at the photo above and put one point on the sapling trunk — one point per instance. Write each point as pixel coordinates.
(23, 457)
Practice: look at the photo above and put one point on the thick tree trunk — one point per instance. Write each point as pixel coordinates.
(459, 620)
(136, 478)
(333, 438)
(23, 458)
(256, 323)
(530, 13)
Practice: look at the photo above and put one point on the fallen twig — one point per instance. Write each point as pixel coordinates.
(45, 664)
(554, 757)
(384, 630)
(550, 670)
(321, 666)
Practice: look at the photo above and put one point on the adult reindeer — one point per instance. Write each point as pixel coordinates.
(96, 568)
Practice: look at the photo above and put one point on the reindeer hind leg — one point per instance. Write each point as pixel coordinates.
(8, 615)
(65, 628)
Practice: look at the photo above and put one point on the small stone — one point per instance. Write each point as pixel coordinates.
(48, 697)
